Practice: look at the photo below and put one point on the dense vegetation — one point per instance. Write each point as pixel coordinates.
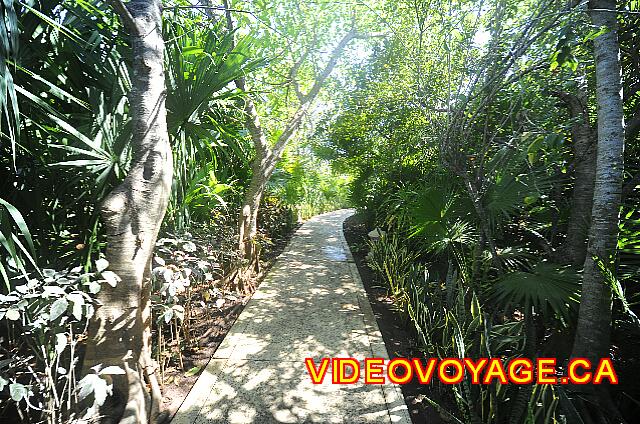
(484, 138)
(476, 139)
(67, 142)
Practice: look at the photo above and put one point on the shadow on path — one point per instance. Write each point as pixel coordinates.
(311, 304)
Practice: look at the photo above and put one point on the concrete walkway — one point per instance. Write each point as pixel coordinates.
(311, 304)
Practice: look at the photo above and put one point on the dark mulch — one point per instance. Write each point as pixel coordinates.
(400, 340)
(210, 333)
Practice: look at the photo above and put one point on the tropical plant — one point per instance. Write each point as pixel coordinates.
(203, 113)
(17, 243)
(394, 262)
(46, 316)
(550, 290)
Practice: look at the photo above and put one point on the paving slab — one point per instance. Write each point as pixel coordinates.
(311, 304)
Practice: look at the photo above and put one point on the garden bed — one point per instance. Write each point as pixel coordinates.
(400, 340)
(210, 329)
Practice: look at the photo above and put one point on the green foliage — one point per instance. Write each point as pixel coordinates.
(442, 132)
(451, 322)
(309, 185)
(46, 316)
(9, 32)
(550, 289)
(277, 219)
(437, 215)
(457, 149)
(18, 255)
(210, 150)
(204, 196)
(394, 262)
(65, 165)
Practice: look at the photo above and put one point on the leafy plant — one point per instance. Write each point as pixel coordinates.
(19, 254)
(550, 289)
(46, 318)
(393, 262)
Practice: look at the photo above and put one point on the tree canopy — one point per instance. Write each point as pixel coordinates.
(155, 152)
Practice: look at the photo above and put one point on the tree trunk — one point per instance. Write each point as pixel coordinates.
(593, 330)
(248, 220)
(267, 157)
(584, 140)
(263, 166)
(120, 333)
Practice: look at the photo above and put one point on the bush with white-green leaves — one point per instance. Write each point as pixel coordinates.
(44, 318)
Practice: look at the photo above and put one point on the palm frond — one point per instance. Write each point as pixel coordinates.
(8, 48)
(550, 289)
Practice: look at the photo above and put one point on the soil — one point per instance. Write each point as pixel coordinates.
(400, 340)
(211, 330)
(178, 383)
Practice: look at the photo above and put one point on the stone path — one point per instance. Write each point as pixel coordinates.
(311, 304)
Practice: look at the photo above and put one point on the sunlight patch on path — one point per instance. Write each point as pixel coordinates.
(312, 304)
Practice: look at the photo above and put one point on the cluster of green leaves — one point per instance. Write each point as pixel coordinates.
(450, 321)
(46, 315)
(72, 81)
(205, 120)
(69, 148)
(308, 185)
(460, 153)
(65, 135)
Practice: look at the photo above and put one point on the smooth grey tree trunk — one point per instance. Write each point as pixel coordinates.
(267, 157)
(120, 333)
(593, 331)
(584, 141)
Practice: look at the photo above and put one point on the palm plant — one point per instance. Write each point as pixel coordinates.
(454, 323)
(439, 216)
(17, 244)
(203, 117)
(549, 289)
(9, 111)
(57, 75)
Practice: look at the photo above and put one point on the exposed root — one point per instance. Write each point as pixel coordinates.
(151, 379)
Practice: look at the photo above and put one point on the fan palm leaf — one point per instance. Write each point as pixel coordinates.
(550, 289)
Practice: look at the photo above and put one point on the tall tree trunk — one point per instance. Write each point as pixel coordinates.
(133, 212)
(248, 219)
(584, 140)
(263, 166)
(267, 157)
(593, 330)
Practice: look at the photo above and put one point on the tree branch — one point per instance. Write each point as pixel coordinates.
(333, 60)
(219, 8)
(576, 105)
(125, 15)
(293, 74)
(253, 119)
(293, 125)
